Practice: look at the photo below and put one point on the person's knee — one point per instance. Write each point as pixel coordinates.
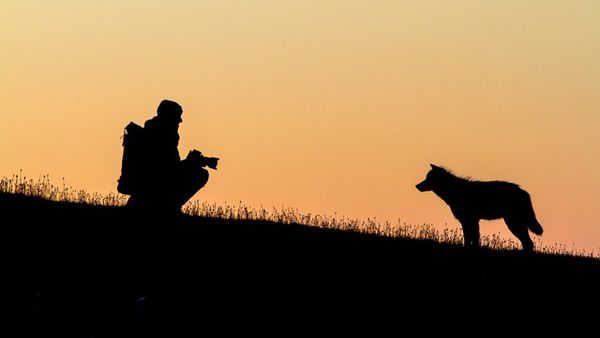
(201, 178)
(193, 184)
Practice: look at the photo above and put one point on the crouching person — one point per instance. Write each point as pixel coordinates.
(152, 172)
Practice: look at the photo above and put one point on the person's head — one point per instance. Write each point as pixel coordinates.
(170, 111)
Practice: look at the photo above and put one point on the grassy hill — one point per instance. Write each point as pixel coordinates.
(89, 271)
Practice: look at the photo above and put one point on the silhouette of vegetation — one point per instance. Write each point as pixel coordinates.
(78, 269)
(43, 188)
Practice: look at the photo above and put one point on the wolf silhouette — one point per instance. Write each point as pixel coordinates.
(472, 201)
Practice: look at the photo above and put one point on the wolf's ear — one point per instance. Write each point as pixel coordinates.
(433, 166)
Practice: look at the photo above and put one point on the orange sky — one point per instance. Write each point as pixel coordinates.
(326, 106)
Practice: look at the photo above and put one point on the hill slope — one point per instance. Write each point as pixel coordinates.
(98, 271)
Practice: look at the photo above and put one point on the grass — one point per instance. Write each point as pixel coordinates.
(45, 189)
(79, 265)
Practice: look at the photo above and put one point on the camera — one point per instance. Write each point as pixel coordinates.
(197, 159)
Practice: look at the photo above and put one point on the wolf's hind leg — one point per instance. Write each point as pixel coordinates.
(520, 230)
(470, 232)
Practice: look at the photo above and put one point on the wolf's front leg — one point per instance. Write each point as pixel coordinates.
(470, 232)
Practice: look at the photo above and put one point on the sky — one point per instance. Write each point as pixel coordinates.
(330, 107)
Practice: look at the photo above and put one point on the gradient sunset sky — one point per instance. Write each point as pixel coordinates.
(333, 106)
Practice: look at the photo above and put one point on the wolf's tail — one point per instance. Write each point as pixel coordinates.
(533, 224)
(536, 227)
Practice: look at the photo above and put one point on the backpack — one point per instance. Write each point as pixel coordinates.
(133, 163)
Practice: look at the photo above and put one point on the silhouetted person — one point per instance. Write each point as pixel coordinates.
(153, 173)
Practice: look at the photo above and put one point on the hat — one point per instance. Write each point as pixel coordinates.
(168, 108)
